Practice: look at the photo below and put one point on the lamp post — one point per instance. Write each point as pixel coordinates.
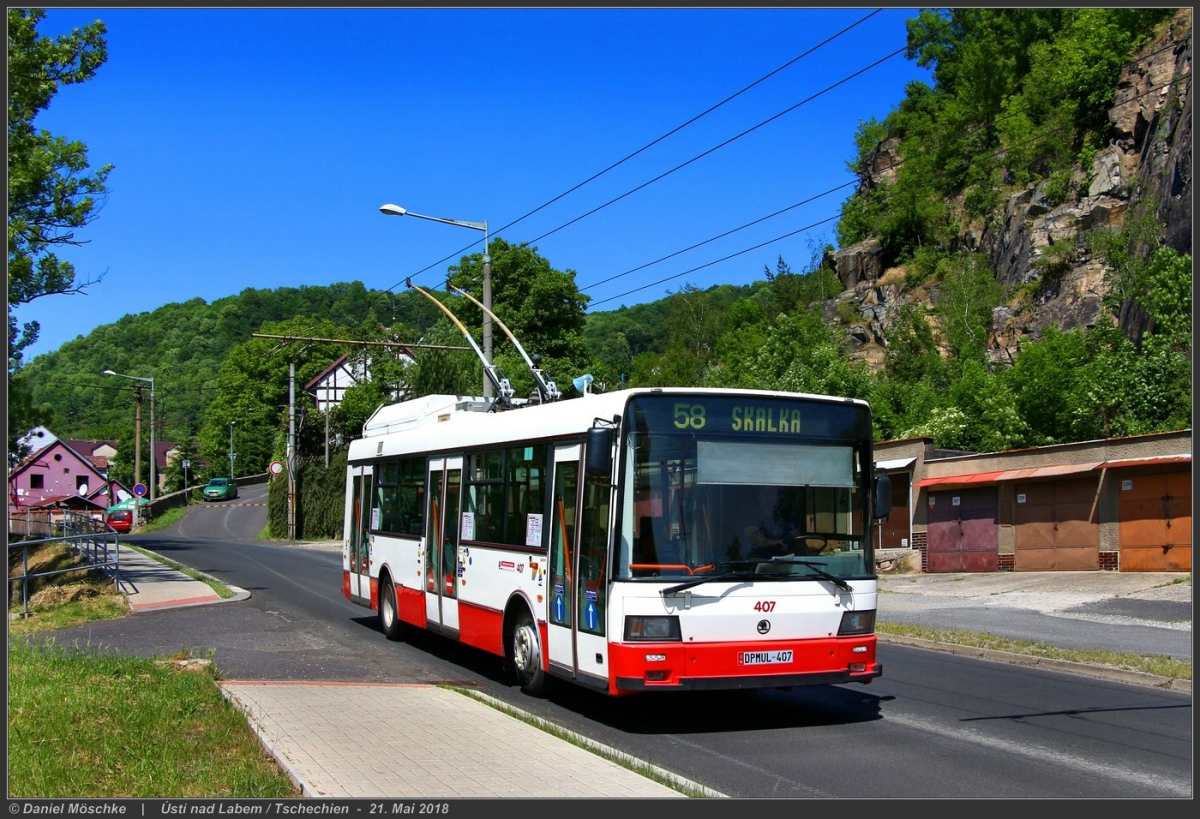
(396, 210)
(153, 447)
(231, 453)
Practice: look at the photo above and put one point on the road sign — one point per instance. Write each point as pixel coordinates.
(276, 468)
(139, 489)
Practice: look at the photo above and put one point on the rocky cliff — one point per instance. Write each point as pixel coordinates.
(1147, 166)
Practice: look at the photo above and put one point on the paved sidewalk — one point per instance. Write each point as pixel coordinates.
(149, 584)
(370, 741)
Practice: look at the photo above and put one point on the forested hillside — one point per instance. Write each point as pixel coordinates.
(1014, 270)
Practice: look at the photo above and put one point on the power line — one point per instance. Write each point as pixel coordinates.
(651, 144)
(722, 235)
(994, 155)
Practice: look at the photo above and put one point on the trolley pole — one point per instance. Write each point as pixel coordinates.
(291, 453)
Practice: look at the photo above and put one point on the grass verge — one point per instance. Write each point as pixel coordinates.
(85, 724)
(61, 600)
(1150, 664)
(163, 520)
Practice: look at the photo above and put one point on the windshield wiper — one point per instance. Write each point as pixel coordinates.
(711, 578)
(817, 570)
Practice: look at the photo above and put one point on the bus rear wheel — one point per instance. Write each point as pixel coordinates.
(525, 656)
(389, 612)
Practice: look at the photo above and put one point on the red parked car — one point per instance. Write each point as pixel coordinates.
(120, 520)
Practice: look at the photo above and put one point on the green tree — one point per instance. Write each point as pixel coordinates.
(542, 307)
(964, 308)
(1044, 381)
(357, 405)
(445, 371)
(1168, 297)
(253, 391)
(51, 195)
(173, 475)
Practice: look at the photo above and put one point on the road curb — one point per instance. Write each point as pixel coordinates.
(292, 772)
(1068, 666)
(608, 752)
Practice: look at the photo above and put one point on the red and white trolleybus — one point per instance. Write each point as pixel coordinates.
(630, 541)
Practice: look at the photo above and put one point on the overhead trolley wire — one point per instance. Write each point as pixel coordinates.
(749, 130)
(723, 235)
(649, 145)
(994, 155)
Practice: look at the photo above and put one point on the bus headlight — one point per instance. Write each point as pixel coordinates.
(660, 627)
(857, 622)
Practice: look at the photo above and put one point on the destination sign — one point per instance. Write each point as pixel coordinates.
(749, 416)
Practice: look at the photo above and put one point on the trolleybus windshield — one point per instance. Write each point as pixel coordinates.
(763, 488)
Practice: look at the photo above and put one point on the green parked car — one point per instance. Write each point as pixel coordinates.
(220, 489)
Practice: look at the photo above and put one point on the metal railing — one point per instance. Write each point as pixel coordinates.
(97, 546)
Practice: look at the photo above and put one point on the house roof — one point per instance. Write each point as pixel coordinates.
(87, 446)
(66, 502)
(325, 373)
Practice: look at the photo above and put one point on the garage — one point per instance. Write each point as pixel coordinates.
(1056, 525)
(962, 532)
(1156, 519)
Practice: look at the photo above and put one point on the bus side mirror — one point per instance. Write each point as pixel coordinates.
(883, 497)
(598, 462)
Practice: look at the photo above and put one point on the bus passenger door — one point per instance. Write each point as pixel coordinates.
(577, 616)
(357, 561)
(560, 618)
(441, 564)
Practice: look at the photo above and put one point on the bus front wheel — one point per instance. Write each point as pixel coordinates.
(525, 656)
(389, 615)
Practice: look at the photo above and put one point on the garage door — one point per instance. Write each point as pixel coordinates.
(1156, 522)
(1057, 526)
(962, 531)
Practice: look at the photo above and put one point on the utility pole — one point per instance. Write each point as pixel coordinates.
(291, 453)
(137, 435)
(137, 450)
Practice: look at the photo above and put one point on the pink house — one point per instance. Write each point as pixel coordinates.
(57, 475)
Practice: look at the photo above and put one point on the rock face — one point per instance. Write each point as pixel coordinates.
(1148, 165)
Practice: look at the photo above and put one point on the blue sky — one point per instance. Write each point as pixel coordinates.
(253, 147)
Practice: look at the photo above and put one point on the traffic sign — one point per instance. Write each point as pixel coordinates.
(139, 489)
(276, 467)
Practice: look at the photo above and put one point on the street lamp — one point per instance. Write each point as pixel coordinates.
(153, 453)
(231, 455)
(396, 210)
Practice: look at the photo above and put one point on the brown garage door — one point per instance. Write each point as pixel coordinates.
(1057, 526)
(1156, 522)
(962, 531)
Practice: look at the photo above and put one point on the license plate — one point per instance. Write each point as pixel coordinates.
(764, 657)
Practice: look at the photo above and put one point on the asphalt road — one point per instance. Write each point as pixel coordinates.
(935, 725)
(1142, 627)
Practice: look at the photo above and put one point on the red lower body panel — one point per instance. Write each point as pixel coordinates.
(718, 665)
(481, 628)
(410, 604)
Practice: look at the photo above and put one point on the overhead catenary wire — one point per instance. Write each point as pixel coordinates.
(651, 144)
(994, 155)
(725, 143)
(701, 155)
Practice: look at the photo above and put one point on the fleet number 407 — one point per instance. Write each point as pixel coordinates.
(765, 605)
